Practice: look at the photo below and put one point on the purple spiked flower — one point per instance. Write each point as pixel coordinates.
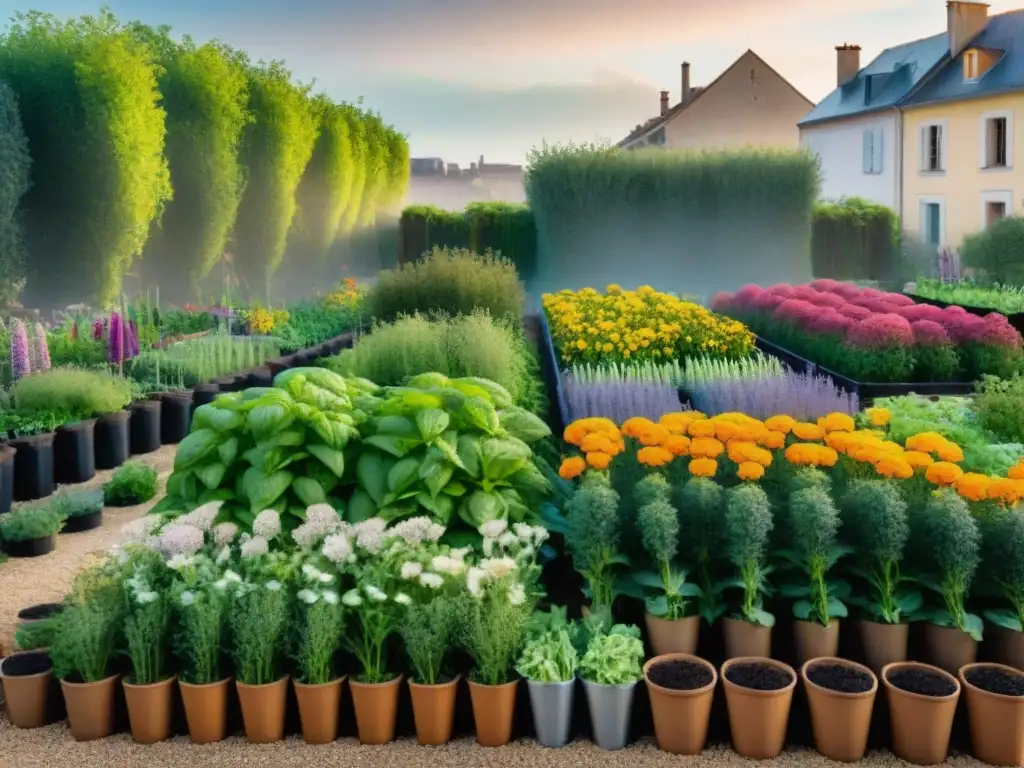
(41, 348)
(19, 350)
(115, 344)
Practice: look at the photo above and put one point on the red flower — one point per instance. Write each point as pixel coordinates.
(898, 299)
(853, 311)
(766, 302)
(782, 289)
(748, 293)
(723, 302)
(831, 323)
(796, 311)
(880, 332)
(825, 284)
(929, 333)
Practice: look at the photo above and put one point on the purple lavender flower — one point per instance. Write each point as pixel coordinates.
(803, 396)
(115, 344)
(19, 350)
(41, 348)
(133, 339)
(619, 400)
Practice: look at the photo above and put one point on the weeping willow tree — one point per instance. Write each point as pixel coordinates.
(205, 92)
(357, 139)
(397, 173)
(15, 166)
(89, 102)
(377, 165)
(276, 148)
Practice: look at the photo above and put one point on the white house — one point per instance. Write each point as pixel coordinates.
(856, 129)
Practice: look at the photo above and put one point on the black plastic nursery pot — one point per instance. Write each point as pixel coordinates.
(39, 612)
(204, 393)
(74, 452)
(6, 478)
(145, 426)
(227, 383)
(175, 416)
(261, 377)
(33, 467)
(278, 365)
(81, 523)
(111, 440)
(31, 547)
(867, 392)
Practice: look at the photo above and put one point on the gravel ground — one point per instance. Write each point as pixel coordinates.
(46, 579)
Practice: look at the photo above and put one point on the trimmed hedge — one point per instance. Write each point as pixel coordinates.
(14, 181)
(702, 222)
(997, 252)
(505, 228)
(855, 239)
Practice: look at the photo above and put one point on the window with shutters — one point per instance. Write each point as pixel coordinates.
(933, 147)
(997, 140)
(933, 224)
(873, 150)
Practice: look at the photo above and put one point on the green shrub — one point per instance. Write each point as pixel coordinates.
(81, 394)
(26, 523)
(453, 281)
(78, 503)
(997, 404)
(854, 239)
(998, 251)
(15, 160)
(468, 345)
(133, 483)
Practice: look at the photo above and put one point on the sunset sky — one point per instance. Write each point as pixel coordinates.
(496, 77)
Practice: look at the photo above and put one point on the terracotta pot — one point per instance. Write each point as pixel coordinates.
(679, 636)
(997, 720)
(1005, 645)
(263, 708)
(376, 706)
(814, 641)
(26, 690)
(90, 708)
(920, 724)
(840, 721)
(681, 716)
(745, 639)
(949, 648)
(206, 710)
(149, 710)
(433, 709)
(493, 710)
(883, 643)
(319, 708)
(758, 719)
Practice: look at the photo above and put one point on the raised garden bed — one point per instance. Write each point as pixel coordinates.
(1016, 319)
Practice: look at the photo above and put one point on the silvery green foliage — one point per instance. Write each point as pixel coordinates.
(593, 518)
(809, 477)
(659, 525)
(874, 519)
(1003, 548)
(619, 400)
(700, 505)
(748, 523)
(804, 396)
(953, 538)
(814, 522)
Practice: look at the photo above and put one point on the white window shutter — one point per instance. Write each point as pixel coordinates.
(983, 144)
(868, 154)
(923, 142)
(879, 143)
(941, 147)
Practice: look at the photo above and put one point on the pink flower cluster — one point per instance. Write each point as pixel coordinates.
(867, 317)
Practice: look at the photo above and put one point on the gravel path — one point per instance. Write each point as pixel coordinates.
(46, 579)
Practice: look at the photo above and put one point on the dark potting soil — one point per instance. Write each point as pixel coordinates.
(41, 611)
(922, 681)
(996, 681)
(24, 664)
(841, 678)
(680, 675)
(759, 677)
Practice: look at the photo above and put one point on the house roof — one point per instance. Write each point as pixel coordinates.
(884, 82)
(1003, 36)
(695, 93)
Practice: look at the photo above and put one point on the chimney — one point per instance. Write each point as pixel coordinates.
(664, 103)
(964, 21)
(847, 63)
(686, 92)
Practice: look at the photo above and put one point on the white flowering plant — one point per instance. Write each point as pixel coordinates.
(147, 614)
(199, 604)
(504, 587)
(319, 622)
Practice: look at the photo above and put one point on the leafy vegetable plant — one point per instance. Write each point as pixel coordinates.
(614, 658)
(27, 523)
(133, 483)
(549, 657)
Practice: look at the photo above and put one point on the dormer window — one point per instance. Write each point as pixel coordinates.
(972, 65)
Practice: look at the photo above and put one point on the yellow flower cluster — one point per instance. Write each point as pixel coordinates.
(644, 324)
(263, 321)
(347, 295)
(599, 439)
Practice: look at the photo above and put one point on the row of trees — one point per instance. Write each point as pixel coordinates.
(122, 148)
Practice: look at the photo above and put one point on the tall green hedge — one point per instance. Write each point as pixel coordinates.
(695, 222)
(15, 165)
(87, 91)
(506, 228)
(855, 239)
(997, 252)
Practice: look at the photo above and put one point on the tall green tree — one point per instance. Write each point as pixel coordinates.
(89, 102)
(15, 165)
(377, 164)
(357, 138)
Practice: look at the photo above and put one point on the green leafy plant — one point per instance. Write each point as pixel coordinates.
(748, 523)
(28, 523)
(1007, 299)
(700, 503)
(997, 405)
(200, 604)
(132, 483)
(429, 630)
(80, 394)
(665, 588)
(37, 634)
(147, 616)
(549, 657)
(874, 517)
(1002, 575)
(593, 537)
(258, 621)
(814, 522)
(614, 658)
(85, 642)
(319, 626)
(78, 503)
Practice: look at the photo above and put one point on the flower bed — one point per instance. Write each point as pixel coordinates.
(866, 335)
(978, 299)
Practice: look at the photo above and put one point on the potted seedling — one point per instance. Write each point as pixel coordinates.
(814, 527)
(7, 454)
(82, 510)
(548, 663)
(594, 532)
(758, 695)
(31, 531)
(748, 522)
(671, 625)
(610, 670)
(995, 709)
(38, 634)
(132, 484)
(874, 519)
(681, 688)
(701, 507)
(31, 436)
(1002, 544)
(841, 696)
(319, 624)
(26, 678)
(922, 703)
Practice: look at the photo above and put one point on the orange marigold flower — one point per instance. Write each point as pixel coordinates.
(737, 450)
(726, 431)
(599, 459)
(891, 447)
(654, 456)
(750, 470)
(678, 445)
(950, 452)
(596, 441)
(703, 467)
(837, 422)
(636, 427)
(804, 430)
(676, 423)
(838, 440)
(701, 429)
(943, 473)
(826, 457)
(655, 435)
(1007, 490)
(879, 417)
(973, 486)
(574, 433)
(706, 447)
(781, 424)
(774, 440)
(894, 466)
(760, 456)
(1016, 472)
(571, 467)
(926, 442)
(918, 459)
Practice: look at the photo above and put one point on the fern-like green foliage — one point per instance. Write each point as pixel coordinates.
(1002, 546)
(594, 535)
(748, 524)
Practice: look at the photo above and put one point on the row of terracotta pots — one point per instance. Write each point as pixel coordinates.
(946, 647)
